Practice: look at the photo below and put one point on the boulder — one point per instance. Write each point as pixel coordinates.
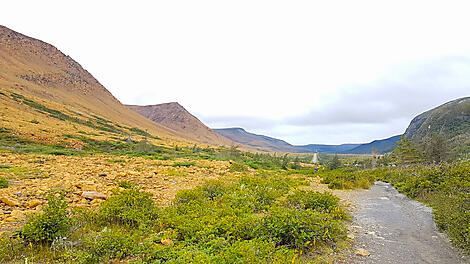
(362, 252)
(33, 203)
(9, 201)
(92, 195)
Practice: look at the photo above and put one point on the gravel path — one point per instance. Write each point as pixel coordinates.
(395, 229)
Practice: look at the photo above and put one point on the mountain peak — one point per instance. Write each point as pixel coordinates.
(173, 115)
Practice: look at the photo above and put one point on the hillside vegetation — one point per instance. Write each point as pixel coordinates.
(450, 121)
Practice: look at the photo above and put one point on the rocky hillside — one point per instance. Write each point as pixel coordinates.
(45, 94)
(451, 120)
(176, 117)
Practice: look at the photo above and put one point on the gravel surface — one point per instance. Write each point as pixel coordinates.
(395, 229)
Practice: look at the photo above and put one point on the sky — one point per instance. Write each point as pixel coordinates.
(326, 72)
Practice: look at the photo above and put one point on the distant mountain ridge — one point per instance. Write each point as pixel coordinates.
(265, 143)
(176, 117)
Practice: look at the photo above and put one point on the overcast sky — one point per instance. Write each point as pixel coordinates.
(304, 71)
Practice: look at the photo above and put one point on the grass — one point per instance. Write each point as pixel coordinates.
(186, 164)
(22, 172)
(95, 123)
(252, 219)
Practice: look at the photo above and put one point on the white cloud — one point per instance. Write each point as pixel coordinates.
(284, 62)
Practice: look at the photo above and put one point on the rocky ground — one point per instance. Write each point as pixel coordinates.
(89, 179)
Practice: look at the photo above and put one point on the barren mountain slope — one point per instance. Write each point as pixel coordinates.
(45, 94)
(176, 117)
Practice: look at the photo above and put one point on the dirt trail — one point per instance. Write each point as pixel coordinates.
(395, 229)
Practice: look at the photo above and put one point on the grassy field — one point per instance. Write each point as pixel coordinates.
(163, 205)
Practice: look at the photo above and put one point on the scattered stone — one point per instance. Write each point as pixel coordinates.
(167, 242)
(371, 233)
(9, 201)
(33, 203)
(351, 236)
(17, 193)
(17, 215)
(174, 181)
(362, 252)
(92, 195)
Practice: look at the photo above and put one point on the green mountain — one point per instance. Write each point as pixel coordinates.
(450, 120)
(381, 146)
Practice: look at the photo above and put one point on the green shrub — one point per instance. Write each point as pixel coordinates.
(348, 178)
(296, 228)
(3, 183)
(110, 244)
(235, 166)
(301, 199)
(127, 184)
(184, 164)
(131, 207)
(52, 223)
(255, 251)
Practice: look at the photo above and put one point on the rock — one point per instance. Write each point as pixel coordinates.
(17, 215)
(351, 236)
(92, 195)
(33, 203)
(362, 252)
(9, 201)
(17, 193)
(167, 242)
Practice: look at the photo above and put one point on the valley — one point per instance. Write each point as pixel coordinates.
(85, 178)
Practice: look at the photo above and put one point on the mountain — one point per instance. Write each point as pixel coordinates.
(451, 120)
(381, 146)
(257, 142)
(343, 148)
(176, 117)
(265, 143)
(45, 94)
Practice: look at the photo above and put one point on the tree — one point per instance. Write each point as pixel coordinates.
(335, 163)
(406, 152)
(436, 148)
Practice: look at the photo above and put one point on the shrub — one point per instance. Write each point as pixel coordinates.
(312, 200)
(294, 228)
(131, 207)
(240, 167)
(3, 183)
(255, 251)
(110, 244)
(127, 184)
(52, 223)
(184, 164)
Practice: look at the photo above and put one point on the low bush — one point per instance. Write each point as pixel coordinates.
(52, 223)
(348, 178)
(131, 207)
(4, 183)
(183, 164)
(296, 228)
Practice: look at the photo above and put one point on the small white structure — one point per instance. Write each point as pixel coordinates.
(315, 158)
